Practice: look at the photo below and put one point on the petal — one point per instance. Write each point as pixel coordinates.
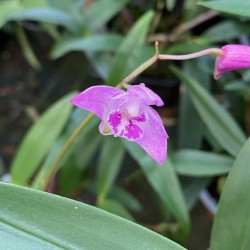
(146, 95)
(235, 57)
(124, 127)
(154, 140)
(96, 99)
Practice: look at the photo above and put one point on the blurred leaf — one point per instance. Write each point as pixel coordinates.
(229, 6)
(164, 182)
(116, 208)
(189, 119)
(38, 140)
(128, 52)
(226, 131)
(98, 43)
(125, 198)
(100, 12)
(224, 31)
(26, 48)
(44, 15)
(101, 62)
(32, 219)
(192, 187)
(233, 210)
(200, 163)
(170, 4)
(109, 164)
(47, 167)
(7, 8)
(237, 86)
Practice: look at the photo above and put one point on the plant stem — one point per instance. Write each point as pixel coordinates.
(211, 51)
(66, 146)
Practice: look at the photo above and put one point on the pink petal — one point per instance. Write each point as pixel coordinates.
(154, 140)
(235, 57)
(146, 95)
(124, 127)
(96, 99)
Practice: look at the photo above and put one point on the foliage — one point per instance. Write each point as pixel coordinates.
(211, 142)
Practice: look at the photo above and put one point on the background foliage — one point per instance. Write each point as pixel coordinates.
(69, 45)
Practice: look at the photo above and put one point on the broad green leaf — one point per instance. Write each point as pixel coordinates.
(230, 6)
(109, 164)
(38, 140)
(31, 219)
(96, 43)
(129, 51)
(100, 12)
(233, 210)
(218, 121)
(200, 163)
(116, 208)
(164, 181)
(45, 15)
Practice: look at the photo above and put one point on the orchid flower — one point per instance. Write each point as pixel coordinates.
(128, 115)
(234, 57)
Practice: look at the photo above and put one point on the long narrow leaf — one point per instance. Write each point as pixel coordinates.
(129, 51)
(218, 121)
(31, 219)
(230, 6)
(164, 181)
(233, 211)
(37, 142)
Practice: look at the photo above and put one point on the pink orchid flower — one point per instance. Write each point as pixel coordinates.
(234, 57)
(128, 115)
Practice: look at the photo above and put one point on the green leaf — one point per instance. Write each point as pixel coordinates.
(218, 121)
(109, 164)
(100, 12)
(189, 119)
(233, 210)
(164, 181)
(26, 48)
(125, 198)
(224, 31)
(129, 51)
(200, 163)
(230, 6)
(97, 43)
(38, 140)
(7, 8)
(45, 15)
(116, 208)
(31, 219)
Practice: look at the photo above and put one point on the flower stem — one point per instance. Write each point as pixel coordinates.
(66, 146)
(211, 51)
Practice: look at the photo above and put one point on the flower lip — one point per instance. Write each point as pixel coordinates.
(235, 57)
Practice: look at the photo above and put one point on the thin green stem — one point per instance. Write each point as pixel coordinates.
(65, 148)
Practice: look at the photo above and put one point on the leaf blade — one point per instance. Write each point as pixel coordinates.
(47, 218)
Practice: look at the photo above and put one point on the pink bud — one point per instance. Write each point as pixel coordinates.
(234, 57)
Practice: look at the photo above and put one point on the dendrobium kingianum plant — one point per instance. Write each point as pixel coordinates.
(128, 113)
